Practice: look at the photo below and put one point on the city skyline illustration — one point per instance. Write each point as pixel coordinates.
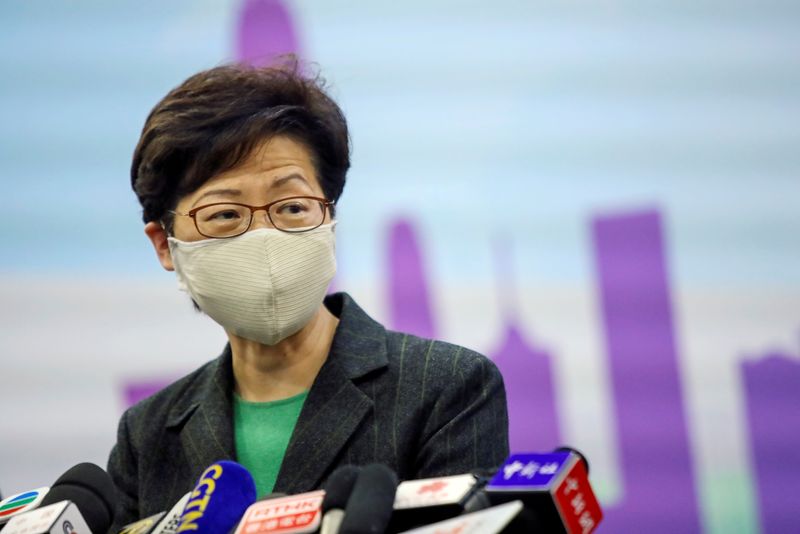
(659, 481)
(657, 471)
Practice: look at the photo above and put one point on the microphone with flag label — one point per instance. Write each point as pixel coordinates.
(81, 500)
(143, 526)
(554, 488)
(160, 523)
(223, 493)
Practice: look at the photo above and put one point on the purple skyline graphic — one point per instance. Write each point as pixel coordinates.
(134, 391)
(533, 418)
(772, 399)
(527, 369)
(265, 31)
(409, 296)
(659, 492)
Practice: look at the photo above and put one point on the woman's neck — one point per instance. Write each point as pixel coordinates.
(272, 372)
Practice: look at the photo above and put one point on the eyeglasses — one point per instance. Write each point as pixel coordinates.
(231, 219)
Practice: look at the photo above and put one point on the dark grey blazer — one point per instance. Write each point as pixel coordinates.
(424, 408)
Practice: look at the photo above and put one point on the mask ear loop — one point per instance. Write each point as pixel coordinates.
(166, 228)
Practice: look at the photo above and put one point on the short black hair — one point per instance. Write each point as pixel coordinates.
(214, 120)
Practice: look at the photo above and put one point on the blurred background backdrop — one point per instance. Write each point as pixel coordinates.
(603, 197)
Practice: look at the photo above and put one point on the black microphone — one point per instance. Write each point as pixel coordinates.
(370, 505)
(80, 500)
(338, 489)
(91, 489)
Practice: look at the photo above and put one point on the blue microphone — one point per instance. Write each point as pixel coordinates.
(223, 493)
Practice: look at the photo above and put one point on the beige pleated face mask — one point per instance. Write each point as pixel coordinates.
(263, 285)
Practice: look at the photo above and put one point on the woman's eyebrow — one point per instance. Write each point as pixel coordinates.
(213, 192)
(284, 179)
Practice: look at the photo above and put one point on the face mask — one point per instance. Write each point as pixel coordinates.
(263, 285)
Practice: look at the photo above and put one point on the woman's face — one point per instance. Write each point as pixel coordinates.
(277, 168)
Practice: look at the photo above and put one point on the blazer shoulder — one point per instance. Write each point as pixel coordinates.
(439, 359)
(174, 400)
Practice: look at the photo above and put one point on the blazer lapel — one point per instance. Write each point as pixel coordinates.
(332, 412)
(207, 435)
(335, 406)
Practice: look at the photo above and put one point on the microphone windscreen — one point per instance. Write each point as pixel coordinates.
(339, 486)
(92, 491)
(370, 505)
(223, 493)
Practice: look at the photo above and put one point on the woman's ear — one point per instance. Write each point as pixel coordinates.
(158, 237)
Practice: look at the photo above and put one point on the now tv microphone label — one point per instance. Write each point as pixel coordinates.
(294, 514)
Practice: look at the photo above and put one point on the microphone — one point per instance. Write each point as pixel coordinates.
(298, 514)
(425, 501)
(223, 493)
(369, 508)
(555, 489)
(143, 526)
(160, 523)
(62, 517)
(172, 520)
(337, 490)
(492, 520)
(90, 488)
(81, 499)
(21, 503)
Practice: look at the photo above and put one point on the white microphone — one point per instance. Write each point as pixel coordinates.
(59, 518)
(488, 521)
(21, 503)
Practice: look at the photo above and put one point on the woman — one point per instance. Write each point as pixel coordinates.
(238, 171)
